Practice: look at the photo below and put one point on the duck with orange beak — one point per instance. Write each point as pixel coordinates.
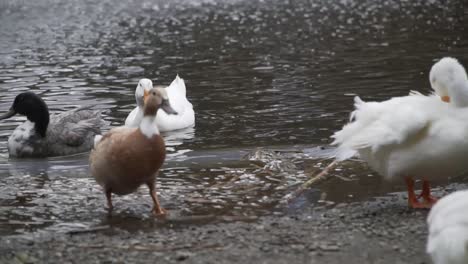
(176, 93)
(125, 158)
(413, 137)
(448, 72)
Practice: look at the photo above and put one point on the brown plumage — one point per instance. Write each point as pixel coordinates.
(126, 158)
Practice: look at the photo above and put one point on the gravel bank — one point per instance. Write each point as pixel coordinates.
(381, 231)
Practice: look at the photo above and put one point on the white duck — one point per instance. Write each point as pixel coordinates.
(177, 96)
(413, 136)
(448, 230)
(449, 72)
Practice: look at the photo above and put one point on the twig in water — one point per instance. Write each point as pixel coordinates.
(319, 177)
(153, 247)
(88, 230)
(221, 185)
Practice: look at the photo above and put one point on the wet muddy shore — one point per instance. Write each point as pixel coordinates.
(383, 230)
(266, 74)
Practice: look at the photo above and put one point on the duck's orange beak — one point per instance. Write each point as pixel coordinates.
(145, 95)
(446, 99)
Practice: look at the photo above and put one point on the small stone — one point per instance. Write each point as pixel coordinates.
(329, 248)
(298, 246)
(183, 255)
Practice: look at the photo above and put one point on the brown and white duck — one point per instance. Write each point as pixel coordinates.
(125, 158)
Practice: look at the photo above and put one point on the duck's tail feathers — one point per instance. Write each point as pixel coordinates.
(177, 95)
(346, 148)
(343, 150)
(358, 103)
(415, 93)
(341, 154)
(177, 88)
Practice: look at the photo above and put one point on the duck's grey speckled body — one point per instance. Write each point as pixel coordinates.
(63, 134)
(68, 133)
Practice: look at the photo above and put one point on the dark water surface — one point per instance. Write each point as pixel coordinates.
(273, 74)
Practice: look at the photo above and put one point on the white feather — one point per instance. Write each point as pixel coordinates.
(177, 98)
(148, 127)
(414, 135)
(446, 73)
(18, 140)
(448, 230)
(134, 118)
(97, 139)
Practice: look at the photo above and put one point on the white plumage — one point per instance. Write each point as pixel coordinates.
(448, 230)
(448, 72)
(176, 93)
(413, 136)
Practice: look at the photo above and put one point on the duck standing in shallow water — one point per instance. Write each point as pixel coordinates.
(176, 93)
(413, 136)
(125, 158)
(62, 134)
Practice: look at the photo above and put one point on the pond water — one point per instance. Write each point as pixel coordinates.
(277, 75)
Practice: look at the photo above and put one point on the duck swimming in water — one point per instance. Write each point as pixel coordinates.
(42, 135)
(125, 158)
(176, 93)
(413, 137)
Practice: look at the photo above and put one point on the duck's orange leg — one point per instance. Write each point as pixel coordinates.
(157, 209)
(426, 194)
(412, 199)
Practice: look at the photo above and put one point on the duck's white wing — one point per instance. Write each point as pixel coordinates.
(374, 125)
(448, 229)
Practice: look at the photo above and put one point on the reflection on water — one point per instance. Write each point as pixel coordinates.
(259, 73)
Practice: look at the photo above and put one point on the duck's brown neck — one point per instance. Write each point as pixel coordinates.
(150, 111)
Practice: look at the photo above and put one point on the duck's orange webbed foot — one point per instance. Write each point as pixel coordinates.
(413, 200)
(158, 211)
(426, 194)
(415, 204)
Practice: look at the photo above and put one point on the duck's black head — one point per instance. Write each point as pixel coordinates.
(34, 108)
